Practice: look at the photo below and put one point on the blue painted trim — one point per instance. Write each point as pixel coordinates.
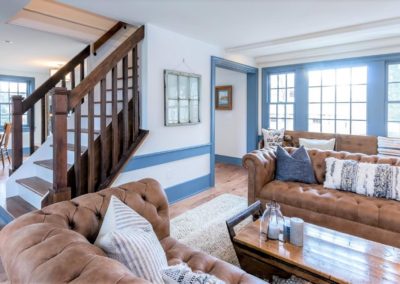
(153, 159)
(228, 160)
(252, 105)
(187, 189)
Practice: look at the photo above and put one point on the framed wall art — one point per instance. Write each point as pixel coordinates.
(223, 98)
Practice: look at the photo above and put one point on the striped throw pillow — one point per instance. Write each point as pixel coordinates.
(129, 238)
(182, 274)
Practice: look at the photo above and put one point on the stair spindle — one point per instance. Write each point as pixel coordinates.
(31, 119)
(115, 135)
(125, 106)
(17, 141)
(77, 150)
(104, 147)
(135, 92)
(91, 150)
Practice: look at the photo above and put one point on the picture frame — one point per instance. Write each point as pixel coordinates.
(223, 97)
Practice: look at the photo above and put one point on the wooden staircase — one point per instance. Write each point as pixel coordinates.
(95, 126)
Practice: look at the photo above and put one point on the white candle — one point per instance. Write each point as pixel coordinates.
(296, 231)
(273, 231)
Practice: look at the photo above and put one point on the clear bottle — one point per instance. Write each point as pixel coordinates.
(271, 222)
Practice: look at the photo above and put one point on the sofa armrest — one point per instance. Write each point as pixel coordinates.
(49, 253)
(261, 168)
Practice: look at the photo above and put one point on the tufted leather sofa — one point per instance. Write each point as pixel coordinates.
(375, 219)
(54, 245)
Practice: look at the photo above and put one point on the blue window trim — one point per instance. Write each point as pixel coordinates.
(377, 105)
(20, 79)
(252, 105)
(387, 63)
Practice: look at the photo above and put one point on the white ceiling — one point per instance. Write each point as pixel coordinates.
(265, 29)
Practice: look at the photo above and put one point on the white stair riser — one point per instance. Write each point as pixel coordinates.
(29, 196)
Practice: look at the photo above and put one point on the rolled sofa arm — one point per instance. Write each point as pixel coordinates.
(261, 168)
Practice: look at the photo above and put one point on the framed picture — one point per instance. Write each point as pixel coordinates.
(181, 98)
(223, 98)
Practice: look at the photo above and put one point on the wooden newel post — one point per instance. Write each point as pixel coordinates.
(60, 190)
(17, 147)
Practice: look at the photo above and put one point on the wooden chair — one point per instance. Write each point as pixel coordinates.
(5, 138)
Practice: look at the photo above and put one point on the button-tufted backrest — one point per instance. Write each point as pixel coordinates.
(318, 160)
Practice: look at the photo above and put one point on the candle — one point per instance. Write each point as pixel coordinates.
(296, 231)
(273, 231)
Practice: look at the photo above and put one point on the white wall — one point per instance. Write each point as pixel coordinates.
(231, 125)
(39, 79)
(163, 49)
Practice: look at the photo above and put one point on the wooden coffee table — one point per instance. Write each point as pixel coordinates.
(327, 256)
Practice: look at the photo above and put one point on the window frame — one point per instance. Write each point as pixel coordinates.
(30, 81)
(387, 102)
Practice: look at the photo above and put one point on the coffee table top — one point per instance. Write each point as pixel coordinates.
(333, 255)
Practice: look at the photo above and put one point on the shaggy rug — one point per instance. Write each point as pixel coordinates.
(204, 228)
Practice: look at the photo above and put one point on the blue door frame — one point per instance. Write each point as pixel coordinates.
(252, 105)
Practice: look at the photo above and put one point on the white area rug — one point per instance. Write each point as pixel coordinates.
(204, 228)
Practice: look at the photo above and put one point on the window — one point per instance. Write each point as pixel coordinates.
(281, 101)
(393, 108)
(9, 87)
(182, 98)
(337, 100)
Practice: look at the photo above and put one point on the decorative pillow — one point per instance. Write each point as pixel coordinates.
(273, 137)
(388, 146)
(318, 144)
(129, 238)
(295, 167)
(182, 274)
(377, 180)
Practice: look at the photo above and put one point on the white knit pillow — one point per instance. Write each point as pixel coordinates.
(182, 274)
(318, 144)
(129, 238)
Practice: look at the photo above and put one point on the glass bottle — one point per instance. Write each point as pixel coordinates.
(271, 223)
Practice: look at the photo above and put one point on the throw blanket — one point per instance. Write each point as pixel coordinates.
(377, 180)
(388, 146)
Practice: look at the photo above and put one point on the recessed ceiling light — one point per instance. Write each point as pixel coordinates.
(7, 41)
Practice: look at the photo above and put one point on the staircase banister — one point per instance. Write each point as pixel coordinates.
(103, 68)
(50, 83)
(105, 37)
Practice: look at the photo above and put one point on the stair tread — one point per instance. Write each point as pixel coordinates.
(108, 101)
(71, 147)
(16, 206)
(85, 130)
(48, 164)
(119, 89)
(35, 184)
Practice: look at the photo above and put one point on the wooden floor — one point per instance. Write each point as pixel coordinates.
(228, 179)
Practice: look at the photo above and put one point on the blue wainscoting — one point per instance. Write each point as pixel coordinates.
(228, 160)
(187, 189)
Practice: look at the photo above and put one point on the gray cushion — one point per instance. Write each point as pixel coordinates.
(295, 167)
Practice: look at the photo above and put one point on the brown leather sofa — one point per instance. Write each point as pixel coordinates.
(54, 245)
(375, 219)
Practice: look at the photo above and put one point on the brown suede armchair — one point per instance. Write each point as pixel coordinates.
(54, 245)
(372, 218)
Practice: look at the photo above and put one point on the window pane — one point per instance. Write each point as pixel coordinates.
(282, 80)
(194, 88)
(343, 126)
(328, 94)
(281, 123)
(328, 111)
(343, 76)
(4, 98)
(172, 111)
(314, 78)
(5, 109)
(194, 111)
(290, 95)
(394, 92)
(328, 126)
(24, 119)
(289, 124)
(359, 75)
(290, 80)
(183, 87)
(314, 94)
(281, 111)
(328, 77)
(342, 111)
(394, 73)
(22, 87)
(359, 111)
(358, 127)
(272, 110)
(3, 86)
(359, 93)
(172, 84)
(314, 111)
(394, 129)
(343, 94)
(314, 125)
(13, 87)
(272, 123)
(273, 81)
(274, 95)
(282, 95)
(289, 111)
(183, 111)
(394, 111)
